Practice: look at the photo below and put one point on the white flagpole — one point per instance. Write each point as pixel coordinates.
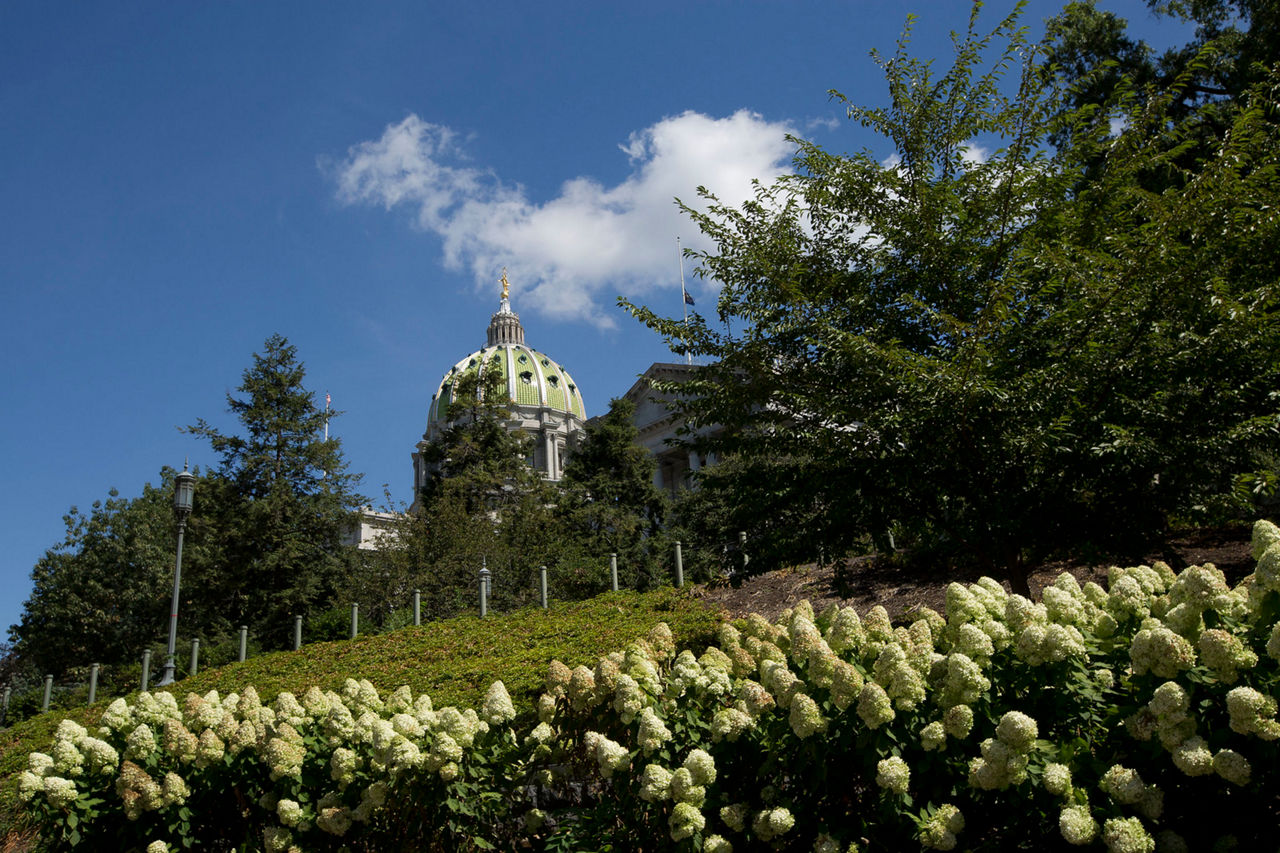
(684, 299)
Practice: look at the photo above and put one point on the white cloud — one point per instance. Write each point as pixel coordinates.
(972, 154)
(571, 255)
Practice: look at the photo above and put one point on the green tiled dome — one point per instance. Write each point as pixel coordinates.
(532, 378)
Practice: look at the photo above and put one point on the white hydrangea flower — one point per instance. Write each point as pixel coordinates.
(1127, 835)
(684, 789)
(729, 724)
(846, 632)
(276, 839)
(933, 736)
(289, 812)
(1265, 534)
(999, 767)
(734, 816)
(1225, 654)
(1057, 779)
(806, 717)
(59, 792)
(846, 684)
(497, 707)
(1018, 731)
(893, 774)
(1158, 650)
(873, 706)
(958, 721)
(1193, 757)
(685, 820)
(1232, 766)
(140, 743)
(655, 783)
(1127, 598)
(940, 830)
(716, 844)
(755, 699)
(701, 765)
(973, 642)
(628, 698)
(653, 732)
(284, 758)
(1124, 784)
(610, 755)
(158, 847)
(962, 606)
(963, 680)
(1076, 825)
(1252, 712)
(771, 823)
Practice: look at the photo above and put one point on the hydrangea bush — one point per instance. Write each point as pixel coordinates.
(1135, 718)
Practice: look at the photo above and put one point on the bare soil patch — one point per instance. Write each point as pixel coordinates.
(901, 591)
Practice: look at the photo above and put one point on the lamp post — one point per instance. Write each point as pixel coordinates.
(184, 489)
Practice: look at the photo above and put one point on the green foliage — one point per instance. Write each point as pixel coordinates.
(608, 501)
(287, 498)
(99, 595)
(992, 350)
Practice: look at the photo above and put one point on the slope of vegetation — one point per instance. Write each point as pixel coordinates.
(454, 661)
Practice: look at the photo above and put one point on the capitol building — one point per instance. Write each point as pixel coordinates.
(545, 403)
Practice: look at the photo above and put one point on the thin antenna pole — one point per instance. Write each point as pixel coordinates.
(326, 428)
(684, 300)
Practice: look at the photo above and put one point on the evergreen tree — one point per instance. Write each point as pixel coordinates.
(290, 499)
(609, 501)
(483, 504)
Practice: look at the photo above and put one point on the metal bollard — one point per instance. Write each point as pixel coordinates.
(355, 620)
(543, 585)
(613, 572)
(484, 591)
(93, 683)
(679, 566)
(195, 657)
(417, 607)
(244, 641)
(742, 546)
(146, 668)
(297, 633)
(48, 689)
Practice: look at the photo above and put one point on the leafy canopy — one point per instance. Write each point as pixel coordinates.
(982, 344)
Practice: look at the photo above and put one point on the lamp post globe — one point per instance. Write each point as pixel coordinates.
(184, 488)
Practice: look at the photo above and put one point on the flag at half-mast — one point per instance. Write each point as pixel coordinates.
(688, 298)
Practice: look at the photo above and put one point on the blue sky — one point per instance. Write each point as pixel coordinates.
(180, 181)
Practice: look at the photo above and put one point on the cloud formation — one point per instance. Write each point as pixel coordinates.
(568, 256)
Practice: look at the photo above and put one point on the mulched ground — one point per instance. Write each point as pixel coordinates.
(901, 591)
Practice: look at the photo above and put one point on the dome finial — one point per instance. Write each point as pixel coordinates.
(506, 285)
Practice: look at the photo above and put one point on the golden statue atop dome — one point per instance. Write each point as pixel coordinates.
(506, 285)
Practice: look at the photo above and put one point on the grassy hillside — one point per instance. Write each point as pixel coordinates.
(454, 660)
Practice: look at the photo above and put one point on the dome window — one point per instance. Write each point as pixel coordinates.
(554, 380)
(526, 378)
(546, 363)
(523, 359)
(471, 363)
